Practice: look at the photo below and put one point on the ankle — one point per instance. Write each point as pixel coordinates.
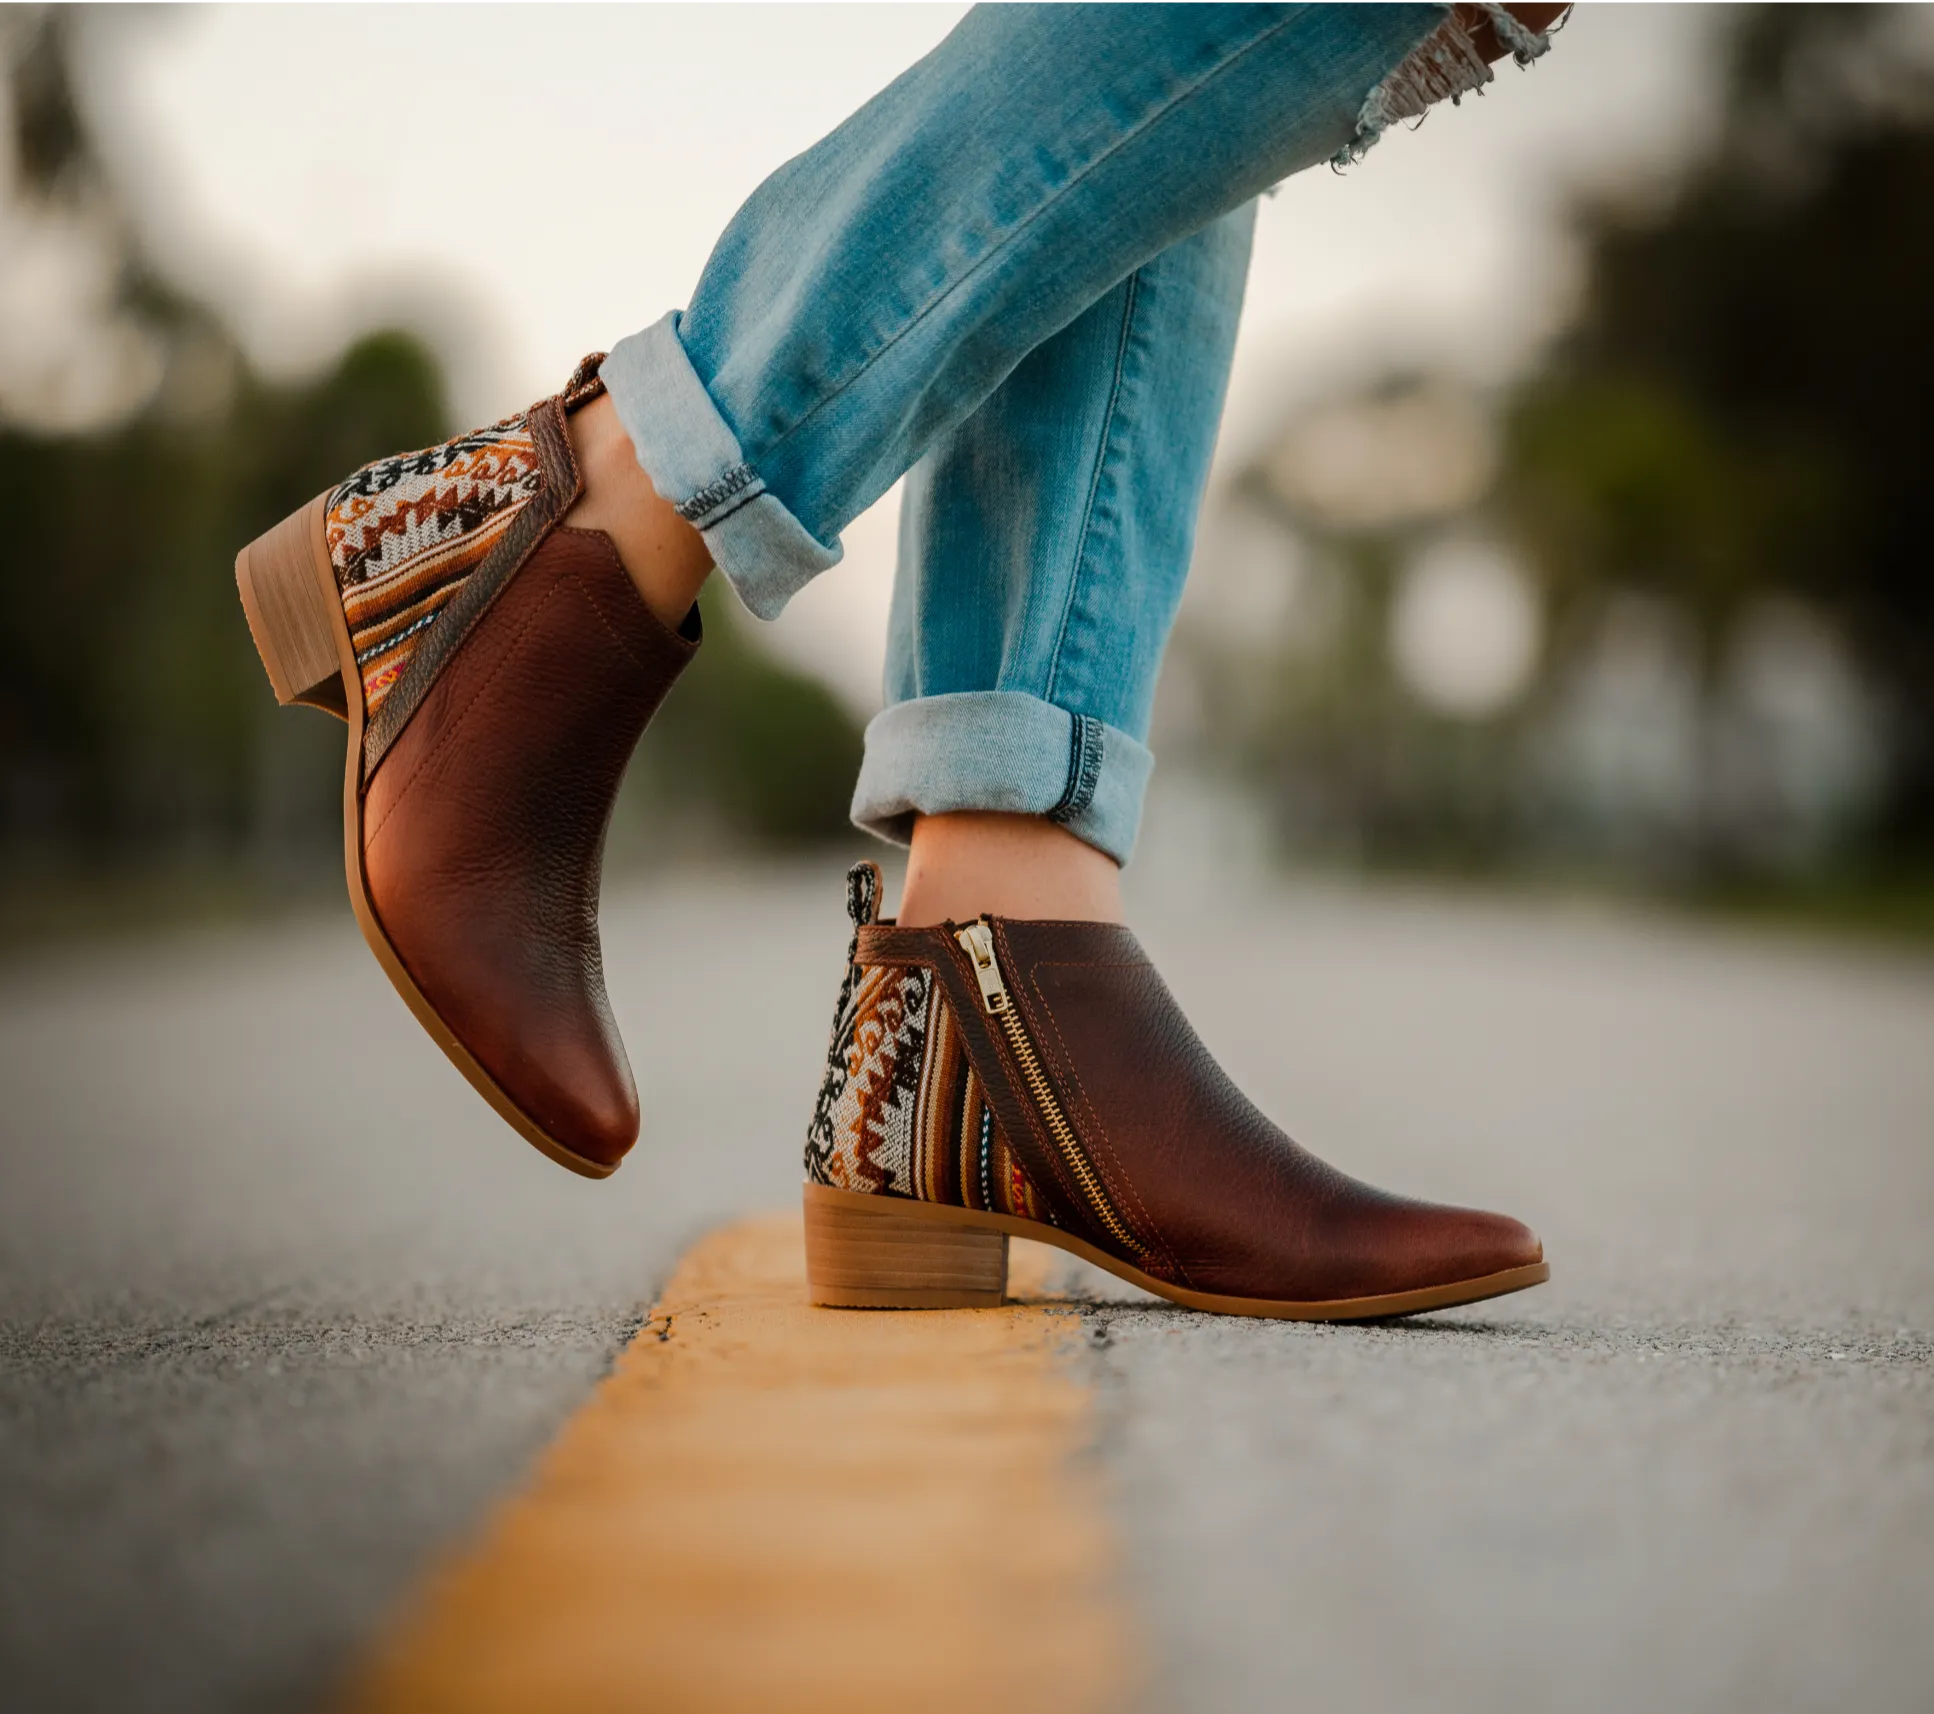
(663, 555)
(970, 862)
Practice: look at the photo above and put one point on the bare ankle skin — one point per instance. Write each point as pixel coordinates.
(664, 556)
(1005, 865)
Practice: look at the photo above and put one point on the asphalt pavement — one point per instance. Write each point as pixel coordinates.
(282, 1308)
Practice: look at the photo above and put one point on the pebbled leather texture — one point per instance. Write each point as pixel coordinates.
(1221, 1198)
(483, 831)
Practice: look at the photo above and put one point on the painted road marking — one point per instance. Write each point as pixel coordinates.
(772, 1507)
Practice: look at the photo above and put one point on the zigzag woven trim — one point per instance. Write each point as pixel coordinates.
(405, 532)
(901, 1111)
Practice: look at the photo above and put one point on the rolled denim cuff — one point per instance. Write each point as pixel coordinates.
(1002, 750)
(695, 461)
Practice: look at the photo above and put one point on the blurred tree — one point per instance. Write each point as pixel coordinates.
(1715, 481)
(132, 716)
(1739, 408)
(132, 712)
(764, 755)
(134, 721)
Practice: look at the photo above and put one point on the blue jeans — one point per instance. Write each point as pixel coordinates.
(1013, 276)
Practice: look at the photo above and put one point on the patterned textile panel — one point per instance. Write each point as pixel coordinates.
(901, 1111)
(1013, 1193)
(405, 532)
(936, 1158)
(863, 1131)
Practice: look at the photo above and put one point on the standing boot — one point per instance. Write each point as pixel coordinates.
(1036, 1079)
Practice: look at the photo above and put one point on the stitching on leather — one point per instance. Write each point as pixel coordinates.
(556, 456)
(564, 579)
(909, 959)
(1101, 1138)
(1073, 1076)
(591, 595)
(438, 650)
(1057, 1177)
(556, 421)
(553, 436)
(448, 734)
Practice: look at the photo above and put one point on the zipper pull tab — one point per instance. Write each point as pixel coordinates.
(977, 941)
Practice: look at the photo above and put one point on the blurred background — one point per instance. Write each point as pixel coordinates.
(1565, 543)
(1567, 526)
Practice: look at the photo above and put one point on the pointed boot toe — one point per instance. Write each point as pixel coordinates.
(1402, 1246)
(496, 669)
(577, 1083)
(1500, 1244)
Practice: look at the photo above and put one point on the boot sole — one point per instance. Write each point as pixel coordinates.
(288, 589)
(881, 1252)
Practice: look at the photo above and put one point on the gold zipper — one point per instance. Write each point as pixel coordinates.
(977, 941)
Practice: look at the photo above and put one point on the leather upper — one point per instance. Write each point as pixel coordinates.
(484, 819)
(1218, 1199)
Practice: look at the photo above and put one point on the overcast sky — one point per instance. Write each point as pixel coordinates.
(554, 177)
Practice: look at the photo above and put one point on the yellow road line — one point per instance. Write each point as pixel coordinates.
(779, 1508)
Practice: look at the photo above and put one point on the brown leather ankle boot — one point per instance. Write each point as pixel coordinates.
(1037, 1079)
(496, 669)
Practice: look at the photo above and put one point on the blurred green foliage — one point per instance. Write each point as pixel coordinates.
(1348, 764)
(136, 728)
(1740, 408)
(1727, 445)
(765, 754)
(132, 708)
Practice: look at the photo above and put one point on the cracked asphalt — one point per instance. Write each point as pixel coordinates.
(282, 1308)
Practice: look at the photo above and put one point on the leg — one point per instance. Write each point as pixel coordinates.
(471, 609)
(848, 314)
(1044, 544)
(875, 290)
(1003, 1059)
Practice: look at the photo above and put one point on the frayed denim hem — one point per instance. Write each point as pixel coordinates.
(1444, 66)
(1002, 750)
(695, 461)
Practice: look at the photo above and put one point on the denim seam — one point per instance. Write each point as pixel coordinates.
(714, 494)
(1084, 769)
(1007, 239)
(714, 519)
(1104, 454)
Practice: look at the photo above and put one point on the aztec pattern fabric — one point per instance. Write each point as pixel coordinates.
(406, 531)
(901, 1111)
